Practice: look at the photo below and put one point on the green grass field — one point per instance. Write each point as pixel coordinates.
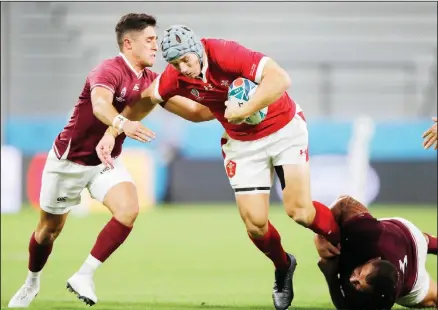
(177, 258)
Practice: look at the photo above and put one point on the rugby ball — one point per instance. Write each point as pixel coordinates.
(240, 91)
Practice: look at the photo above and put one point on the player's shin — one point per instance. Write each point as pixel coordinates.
(324, 223)
(270, 245)
(38, 255)
(109, 239)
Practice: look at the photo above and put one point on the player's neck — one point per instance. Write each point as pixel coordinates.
(132, 63)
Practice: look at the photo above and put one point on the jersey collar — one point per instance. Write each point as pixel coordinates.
(204, 69)
(137, 74)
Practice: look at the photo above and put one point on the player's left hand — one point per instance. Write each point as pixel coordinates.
(325, 248)
(430, 136)
(104, 149)
(234, 113)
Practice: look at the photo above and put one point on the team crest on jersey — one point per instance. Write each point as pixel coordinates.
(231, 168)
(121, 98)
(195, 93)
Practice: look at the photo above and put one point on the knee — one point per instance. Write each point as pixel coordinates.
(302, 212)
(46, 235)
(127, 214)
(256, 227)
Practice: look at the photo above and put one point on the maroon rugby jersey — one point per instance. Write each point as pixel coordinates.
(78, 140)
(364, 237)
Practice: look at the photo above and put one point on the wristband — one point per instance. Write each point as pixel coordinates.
(118, 122)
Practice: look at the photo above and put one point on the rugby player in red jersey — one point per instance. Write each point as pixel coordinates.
(73, 164)
(202, 70)
(380, 261)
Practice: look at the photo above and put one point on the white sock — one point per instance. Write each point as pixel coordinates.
(90, 265)
(33, 278)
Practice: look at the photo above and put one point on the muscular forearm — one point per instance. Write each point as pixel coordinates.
(104, 111)
(188, 109)
(335, 291)
(203, 115)
(267, 93)
(138, 111)
(346, 208)
(272, 86)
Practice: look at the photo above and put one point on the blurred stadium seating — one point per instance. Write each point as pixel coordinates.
(346, 60)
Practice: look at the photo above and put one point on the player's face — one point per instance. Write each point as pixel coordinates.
(358, 277)
(144, 46)
(188, 65)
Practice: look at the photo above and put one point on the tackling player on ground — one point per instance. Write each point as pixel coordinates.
(380, 262)
(202, 70)
(73, 165)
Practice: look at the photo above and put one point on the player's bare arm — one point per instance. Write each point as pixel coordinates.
(345, 208)
(188, 109)
(136, 113)
(274, 82)
(102, 102)
(103, 109)
(330, 270)
(430, 136)
(181, 106)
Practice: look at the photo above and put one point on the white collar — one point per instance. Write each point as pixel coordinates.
(137, 74)
(204, 68)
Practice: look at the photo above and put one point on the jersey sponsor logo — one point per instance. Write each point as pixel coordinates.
(231, 168)
(121, 98)
(136, 87)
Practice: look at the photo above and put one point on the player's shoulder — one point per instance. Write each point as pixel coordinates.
(170, 73)
(150, 75)
(216, 46)
(220, 51)
(114, 65)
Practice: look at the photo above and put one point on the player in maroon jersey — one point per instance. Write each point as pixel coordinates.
(202, 70)
(431, 136)
(380, 261)
(73, 165)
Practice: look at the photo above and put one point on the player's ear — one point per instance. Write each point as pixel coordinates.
(127, 42)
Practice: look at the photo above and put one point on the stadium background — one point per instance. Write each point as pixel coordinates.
(364, 73)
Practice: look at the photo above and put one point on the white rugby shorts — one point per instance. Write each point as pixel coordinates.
(250, 164)
(421, 286)
(63, 181)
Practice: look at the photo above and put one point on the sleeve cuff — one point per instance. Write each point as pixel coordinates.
(262, 63)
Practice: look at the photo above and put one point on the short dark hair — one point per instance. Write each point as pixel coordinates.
(383, 280)
(133, 22)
